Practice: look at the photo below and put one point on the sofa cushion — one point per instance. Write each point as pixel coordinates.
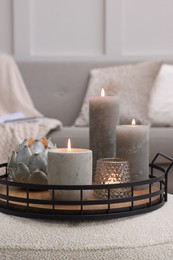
(161, 101)
(131, 83)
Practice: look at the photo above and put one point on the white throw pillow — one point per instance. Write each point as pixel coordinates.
(161, 101)
(131, 83)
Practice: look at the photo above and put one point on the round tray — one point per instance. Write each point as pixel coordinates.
(38, 201)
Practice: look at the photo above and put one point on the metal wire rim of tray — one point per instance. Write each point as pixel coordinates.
(36, 201)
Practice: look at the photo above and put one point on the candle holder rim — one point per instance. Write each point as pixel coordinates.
(64, 150)
(113, 160)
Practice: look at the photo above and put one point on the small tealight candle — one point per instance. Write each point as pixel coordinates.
(133, 146)
(111, 181)
(70, 166)
(112, 171)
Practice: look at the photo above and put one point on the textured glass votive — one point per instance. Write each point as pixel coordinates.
(112, 171)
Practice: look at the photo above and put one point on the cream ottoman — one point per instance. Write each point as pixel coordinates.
(147, 236)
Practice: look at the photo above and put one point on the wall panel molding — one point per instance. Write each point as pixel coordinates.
(6, 26)
(145, 28)
(21, 14)
(113, 28)
(36, 39)
(100, 29)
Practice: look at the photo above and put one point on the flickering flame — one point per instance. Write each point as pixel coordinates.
(102, 92)
(69, 145)
(133, 122)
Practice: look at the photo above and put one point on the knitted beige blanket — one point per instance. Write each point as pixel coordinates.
(14, 98)
(13, 133)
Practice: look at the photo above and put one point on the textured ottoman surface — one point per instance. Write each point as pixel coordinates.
(147, 236)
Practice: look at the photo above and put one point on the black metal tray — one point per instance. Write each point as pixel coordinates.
(36, 201)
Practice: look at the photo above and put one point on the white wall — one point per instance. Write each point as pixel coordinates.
(121, 30)
(6, 33)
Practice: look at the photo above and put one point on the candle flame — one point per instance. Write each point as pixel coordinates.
(133, 122)
(102, 92)
(69, 145)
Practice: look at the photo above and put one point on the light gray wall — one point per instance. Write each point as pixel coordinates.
(6, 27)
(122, 30)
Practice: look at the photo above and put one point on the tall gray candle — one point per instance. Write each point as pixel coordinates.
(103, 118)
(133, 146)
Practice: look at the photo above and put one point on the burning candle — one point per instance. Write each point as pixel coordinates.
(133, 146)
(111, 181)
(103, 118)
(112, 171)
(70, 166)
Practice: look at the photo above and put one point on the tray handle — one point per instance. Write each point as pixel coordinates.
(166, 170)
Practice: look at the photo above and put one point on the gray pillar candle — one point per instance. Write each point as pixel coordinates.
(72, 167)
(103, 118)
(133, 146)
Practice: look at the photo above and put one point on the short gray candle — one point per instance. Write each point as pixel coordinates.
(72, 167)
(133, 146)
(103, 118)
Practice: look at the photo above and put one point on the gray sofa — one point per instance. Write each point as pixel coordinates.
(58, 88)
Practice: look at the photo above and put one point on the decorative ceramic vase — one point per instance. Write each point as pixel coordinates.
(28, 163)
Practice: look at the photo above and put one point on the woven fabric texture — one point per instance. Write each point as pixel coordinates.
(141, 237)
(13, 133)
(15, 98)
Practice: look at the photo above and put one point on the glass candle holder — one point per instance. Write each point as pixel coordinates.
(112, 171)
